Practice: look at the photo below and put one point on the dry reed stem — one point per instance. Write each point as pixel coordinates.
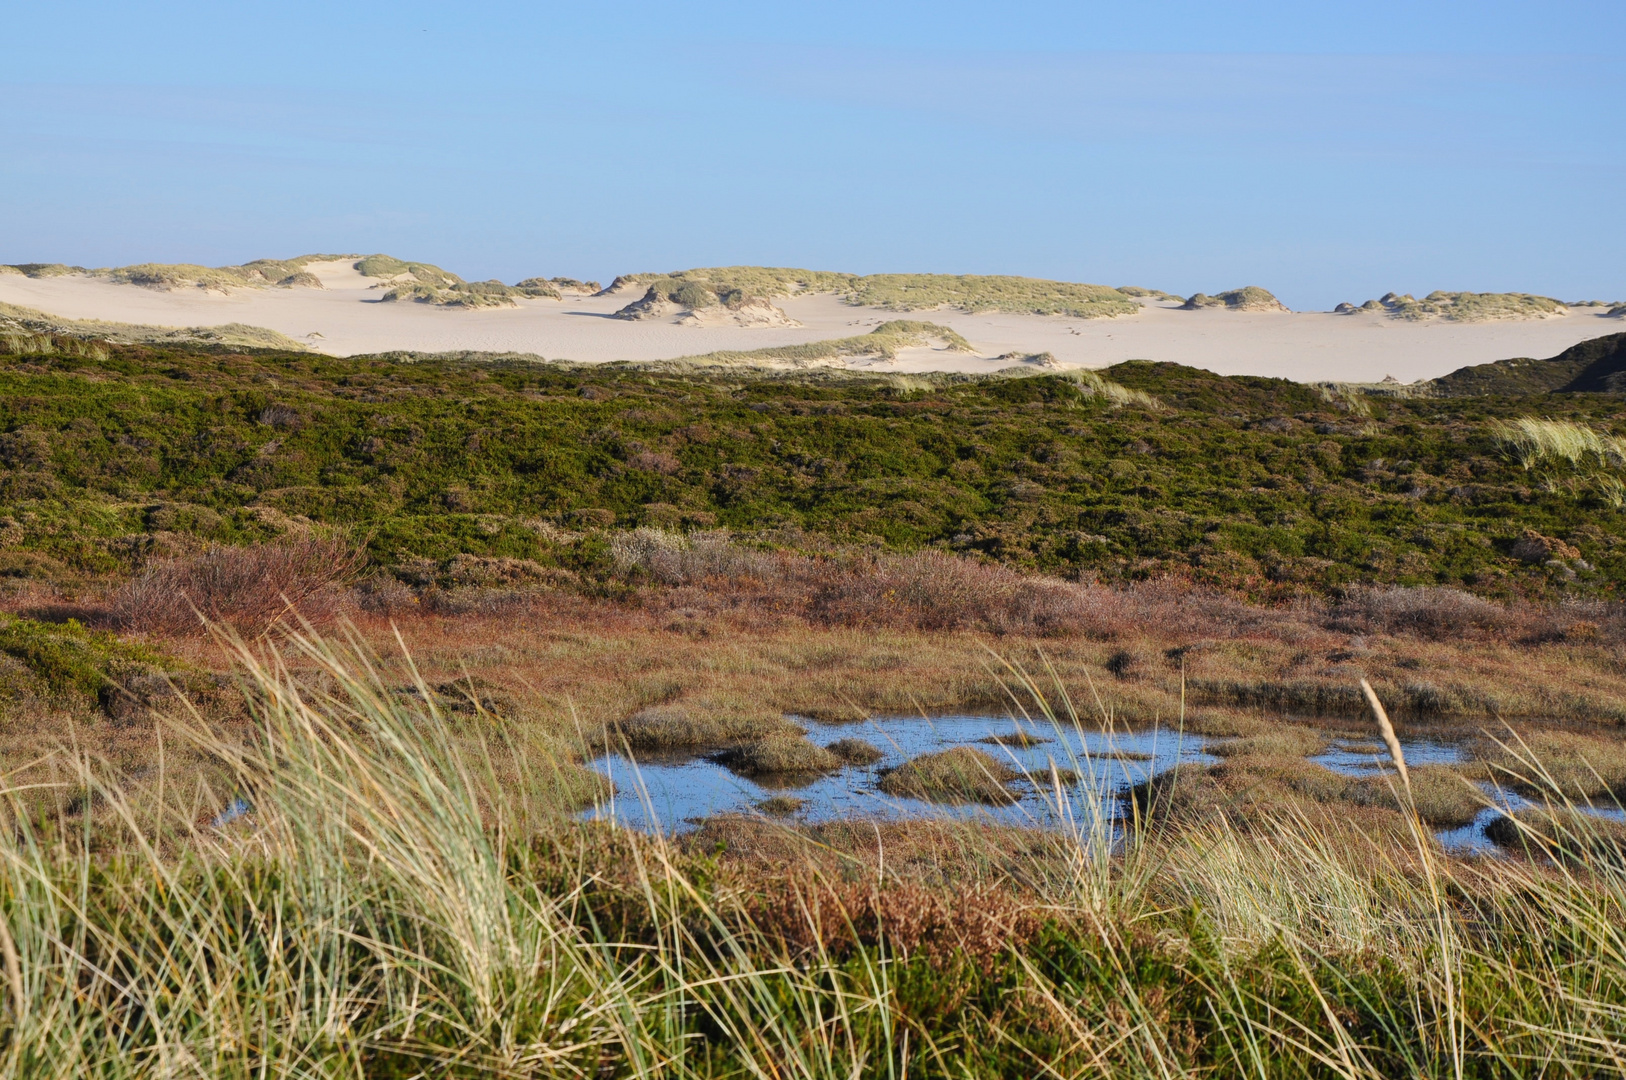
(1387, 730)
(14, 968)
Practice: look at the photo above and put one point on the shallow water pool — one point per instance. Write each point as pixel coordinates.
(674, 793)
(1360, 758)
(671, 794)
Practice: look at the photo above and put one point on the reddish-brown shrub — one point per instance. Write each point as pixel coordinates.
(247, 588)
(1435, 613)
(976, 923)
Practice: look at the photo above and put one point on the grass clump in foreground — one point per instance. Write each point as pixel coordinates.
(380, 911)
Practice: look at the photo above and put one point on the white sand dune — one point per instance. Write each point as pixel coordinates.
(346, 317)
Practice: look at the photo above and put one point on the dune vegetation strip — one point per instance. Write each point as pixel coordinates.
(427, 283)
(882, 343)
(25, 330)
(899, 292)
(368, 888)
(1460, 306)
(408, 280)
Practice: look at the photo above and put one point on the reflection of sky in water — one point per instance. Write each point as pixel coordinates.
(1355, 758)
(672, 792)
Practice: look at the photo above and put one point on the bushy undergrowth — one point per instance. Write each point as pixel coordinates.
(247, 588)
(369, 908)
(1250, 484)
(70, 660)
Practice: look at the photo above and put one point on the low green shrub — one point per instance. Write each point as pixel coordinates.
(70, 661)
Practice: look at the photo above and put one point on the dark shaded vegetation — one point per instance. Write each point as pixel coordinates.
(110, 460)
(1591, 367)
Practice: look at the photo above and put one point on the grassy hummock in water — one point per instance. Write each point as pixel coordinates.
(961, 775)
(780, 805)
(1019, 739)
(1561, 833)
(855, 751)
(685, 726)
(778, 756)
(1253, 787)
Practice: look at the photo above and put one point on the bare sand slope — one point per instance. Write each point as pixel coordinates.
(345, 317)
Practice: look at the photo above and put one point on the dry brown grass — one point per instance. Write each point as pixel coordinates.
(250, 589)
(1584, 768)
(702, 665)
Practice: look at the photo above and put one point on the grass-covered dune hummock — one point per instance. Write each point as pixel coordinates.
(1248, 298)
(287, 273)
(1461, 306)
(893, 292)
(1597, 366)
(25, 330)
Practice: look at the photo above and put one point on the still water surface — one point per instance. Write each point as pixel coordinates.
(675, 793)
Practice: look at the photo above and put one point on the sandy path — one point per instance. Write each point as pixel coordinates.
(345, 317)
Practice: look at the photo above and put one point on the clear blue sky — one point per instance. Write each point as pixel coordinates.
(1325, 151)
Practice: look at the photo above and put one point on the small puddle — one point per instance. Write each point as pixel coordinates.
(673, 793)
(1357, 758)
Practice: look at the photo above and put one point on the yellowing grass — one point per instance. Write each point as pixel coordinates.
(401, 902)
(1536, 442)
